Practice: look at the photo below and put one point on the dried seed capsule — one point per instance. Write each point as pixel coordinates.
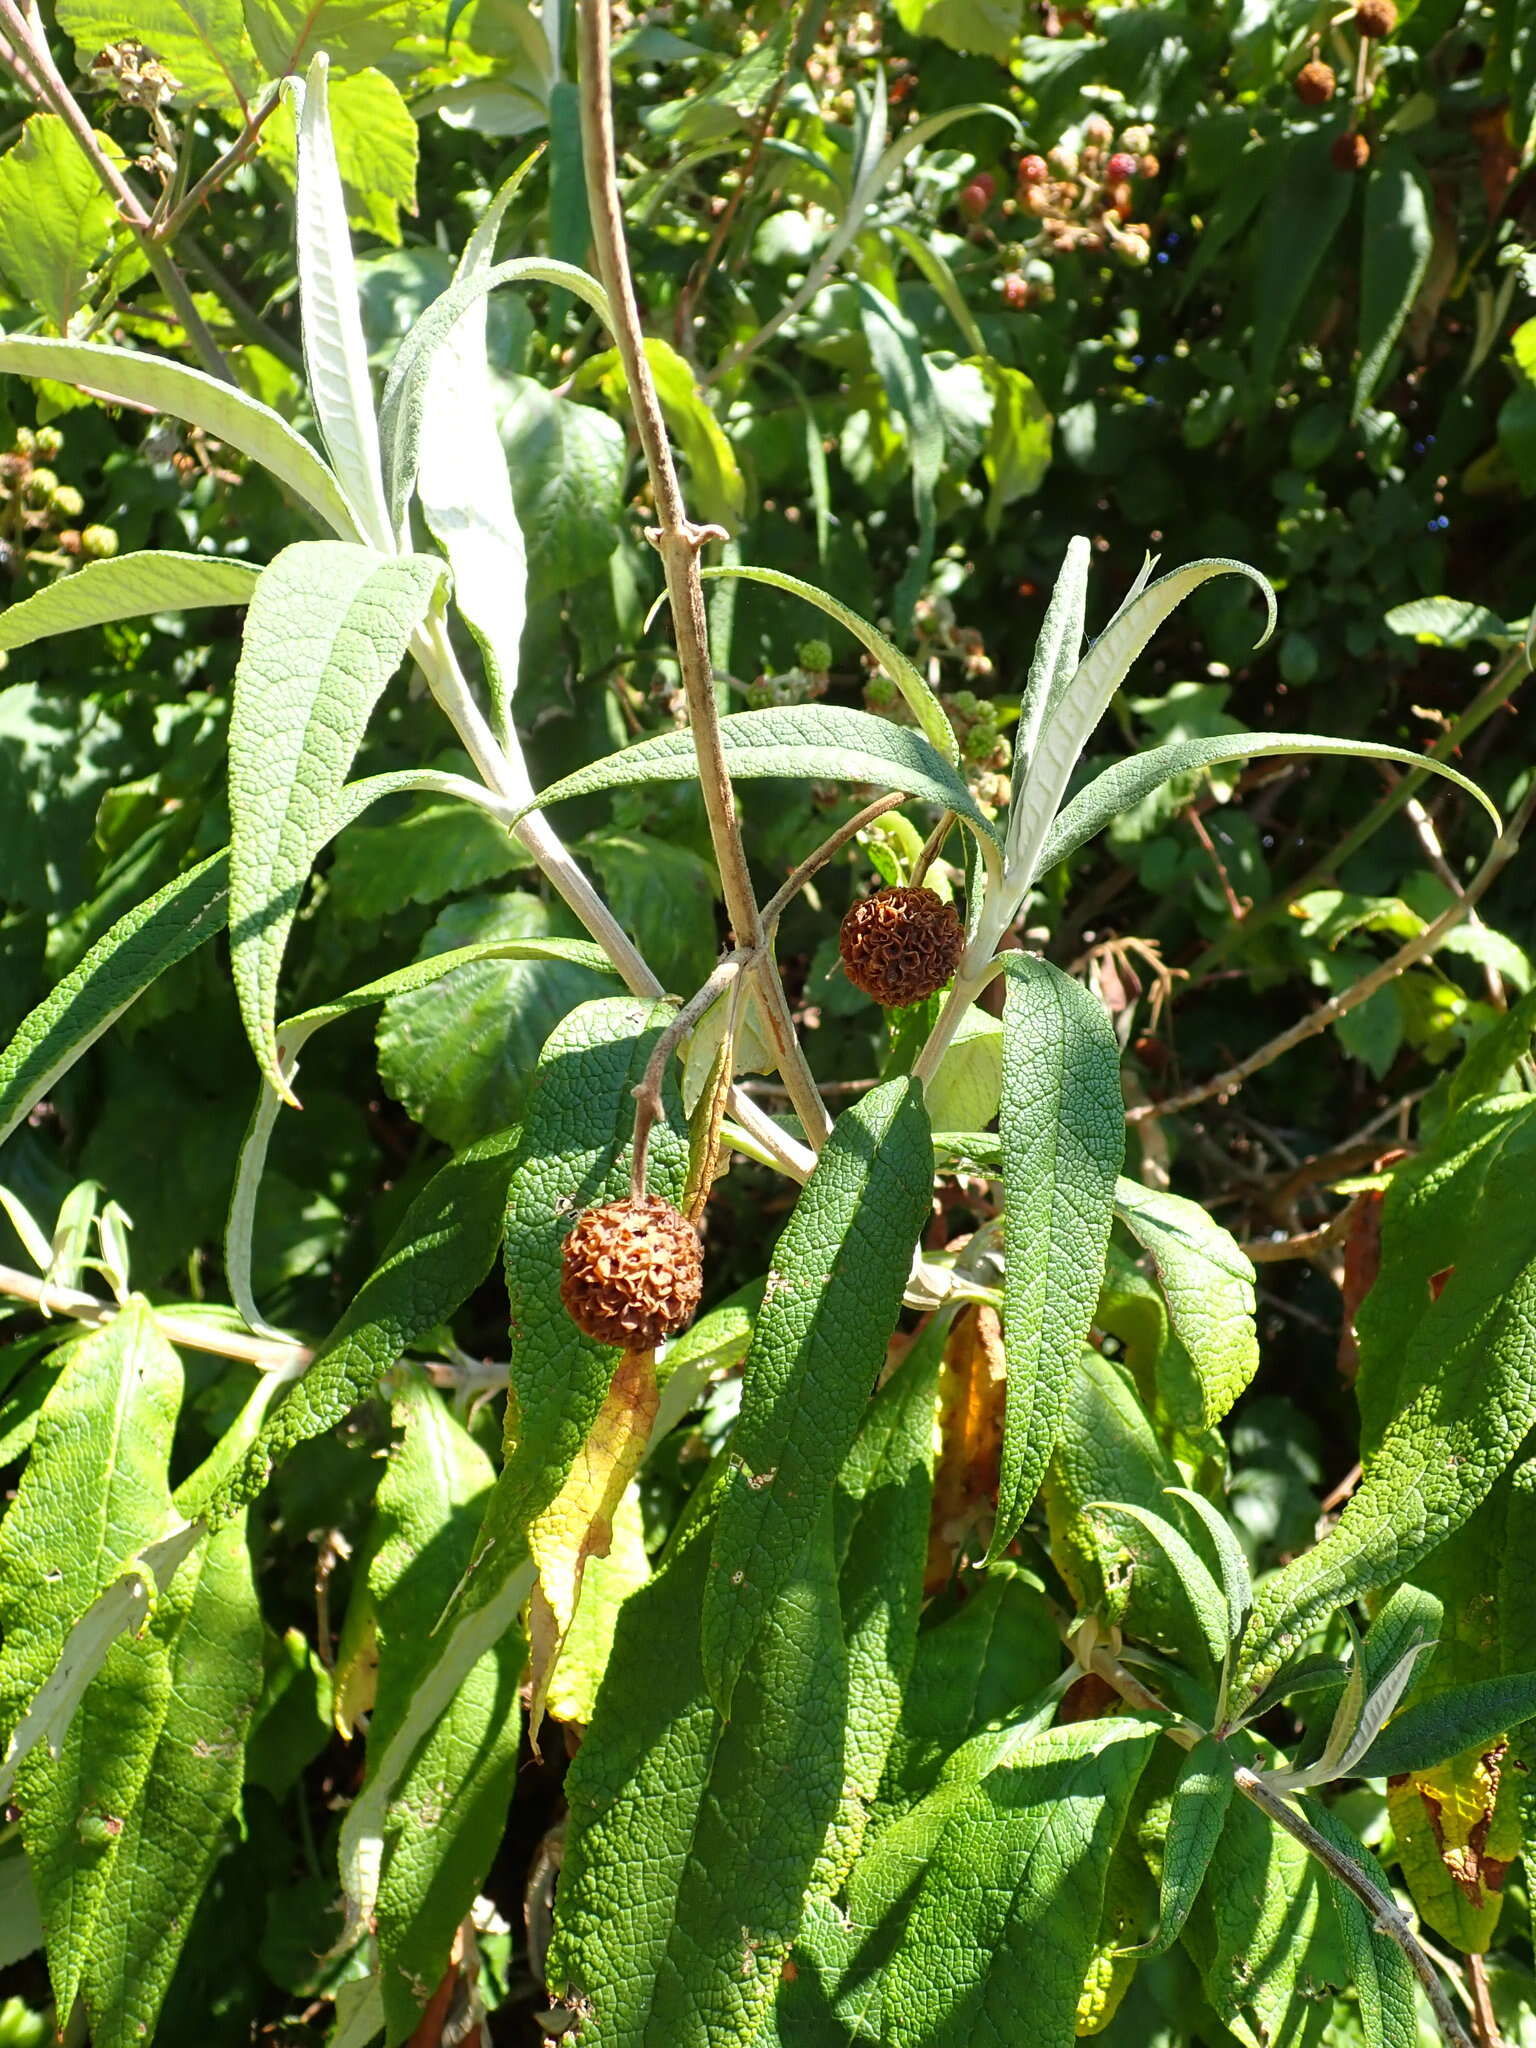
(901, 945)
(1315, 83)
(1376, 17)
(631, 1272)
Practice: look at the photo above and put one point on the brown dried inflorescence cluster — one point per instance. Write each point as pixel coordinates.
(1376, 17)
(631, 1272)
(901, 945)
(1350, 152)
(1315, 83)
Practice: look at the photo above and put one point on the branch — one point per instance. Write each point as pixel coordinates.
(648, 1094)
(224, 167)
(288, 1360)
(678, 540)
(1387, 1917)
(782, 897)
(1406, 956)
(28, 56)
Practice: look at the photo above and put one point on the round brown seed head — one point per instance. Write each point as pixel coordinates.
(1350, 153)
(900, 945)
(1315, 83)
(631, 1272)
(1376, 17)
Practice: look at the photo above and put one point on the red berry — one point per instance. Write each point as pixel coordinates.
(1033, 170)
(1015, 291)
(976, 197)
(1122, 166)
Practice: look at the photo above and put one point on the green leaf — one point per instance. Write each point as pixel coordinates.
(1231, 1562)
(357, 32)
(1254, 1928)
(920, 700)
(1451, 622)
(880, 1516)
(967, 1086)
(1304, 210)
(201, 43)
(1463, 1389)
(692, 1841)
(1123, 786)
(1434, 1730)
(437, 1852)
(1202, 1633)
(128, 587)
(431, 850)
(1202, 1794)
(664, 896)
(1007, 1911)
(302, 698)
(1399, 237)
(56, 222)
(574, 1154)
(103, 1438)
(376, 143)
(1208, 1284)
(839, 1271)
(568, 466)
(974, 1672)
(1075, 708)
(897, 354)
(400, 408)
(335, 353)
(117, 969)
(1381, 1974)
(805, 741)
(122, 377)
(1063, 1130)
(1017, 452)
(436, 1259)
(719, 490)
(460, 1052)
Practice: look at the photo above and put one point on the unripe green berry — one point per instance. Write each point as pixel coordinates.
(26, 441)
(67, 502)
(99, 542)
(40, 487)
(814, 654)
(50, 443)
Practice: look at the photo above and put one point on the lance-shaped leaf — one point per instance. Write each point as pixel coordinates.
(1465, 1399)
(325, 631)
(1063, 1131)
(103, 1440)
(880, 1517)
(692, 1840)
(114, 973)
(437, 1258)
(1231, 1561)
(1124, 785)
(809, 742)
(1432, 1731)
(1054, 662)
(1202, 1792)
(446, 1816)
(335, 352)
(401, 408)
(1399, 238)
(128, 587)
(1007, 1910)
(920, 700)
(1200, 1613)
(1357, 1720)
(1208, 1285)
(154, 384)
(1380, 1973)
(839, 1271)
(1075, 709)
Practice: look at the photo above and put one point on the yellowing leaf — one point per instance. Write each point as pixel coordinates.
(970, 1422)
(1458, 1831)
(578, 1523)
(606, 1583)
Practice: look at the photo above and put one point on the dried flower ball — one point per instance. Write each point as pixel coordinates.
(1350, 152)
(1376, 17)
(1315, 83)
(631, 1272)
(901, 945)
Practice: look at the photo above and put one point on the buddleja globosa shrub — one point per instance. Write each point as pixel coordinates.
(942, 1707)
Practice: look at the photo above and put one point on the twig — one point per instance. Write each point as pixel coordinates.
(1424, 827)
(933, 846)
(1267, 1250)
(1489, 699)
(1238, 906)
(1416, 949)
(1386, 1916)
(1485, 2022)
(26, 52)
(678, 541)
(649, 1105)
(191, 202)
(287, 1359)
(781, 898)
